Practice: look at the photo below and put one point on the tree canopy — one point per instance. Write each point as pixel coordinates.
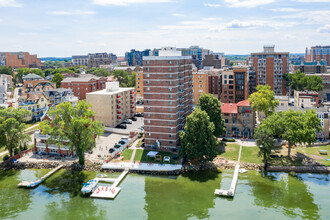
(299, 81)
(197, 139)
(263, 100)
(212, 106)
(124, 79)
(12, 126)
(57, 78)
(18, 78)
(296, 127)
(99, 72)
(74, 124)
(7, 70)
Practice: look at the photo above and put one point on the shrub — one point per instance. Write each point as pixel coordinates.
(16, 150)
(6, 157)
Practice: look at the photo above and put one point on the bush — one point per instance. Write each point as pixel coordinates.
(16, 150)
(6, 157)
(228, 139)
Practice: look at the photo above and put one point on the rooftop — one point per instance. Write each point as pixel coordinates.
(296, 108)
(107, 92)
(229, 108)
(31, 76)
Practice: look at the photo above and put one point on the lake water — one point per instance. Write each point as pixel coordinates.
(258, 196)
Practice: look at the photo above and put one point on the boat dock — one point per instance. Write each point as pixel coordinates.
(29, 184)
(102, 192)
(142, 166)
(232, 189)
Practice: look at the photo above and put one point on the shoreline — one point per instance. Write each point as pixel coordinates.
(187, 168)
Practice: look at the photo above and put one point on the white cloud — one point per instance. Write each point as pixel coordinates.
(75, 12)
(324, 29)
(311, 17)
(126, 2)
(247, 3)
(259, 23)
(177, 15)
(286, 9)
(212, 5)
(239, 24)
(79, 42)
(10, 3)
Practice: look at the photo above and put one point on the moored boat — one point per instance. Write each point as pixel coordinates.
(89, 187)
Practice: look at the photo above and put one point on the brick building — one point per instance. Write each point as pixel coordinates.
(200, 85)
(20, 59)
(213, 60)
(82, 85)
(235, 86)
(269, 67)
(239, 119)
(167, 81)
(318, 53)
(112, 105)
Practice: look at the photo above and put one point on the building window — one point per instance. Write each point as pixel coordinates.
(169, 62)
(147, 75)
(169, 75)
(226, 120)
(170, 123)
(148, 89)
(170, 96)
(170, 136)
(170, 89)
(170, 102)
(147, 62)
(170, 109)
(171, 142)
(170, 69)
(148, 121)
(170, 116)
(147, 69)
(148, 102)
(148, 108)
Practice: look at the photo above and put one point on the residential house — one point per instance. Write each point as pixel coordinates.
(306, 99)
(6, 81)
(37, 104)
(57, 96)
(31, 76)
(37, 86)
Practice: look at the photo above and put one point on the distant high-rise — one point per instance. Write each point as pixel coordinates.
(19, 60)
(269, 67)
(135, 57)
(318, 53)
(97, 59)
(167, 80)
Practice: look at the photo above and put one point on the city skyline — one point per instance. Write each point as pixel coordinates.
(63, 29)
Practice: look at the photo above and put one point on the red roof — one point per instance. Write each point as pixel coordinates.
(243, 103)
(229, 108)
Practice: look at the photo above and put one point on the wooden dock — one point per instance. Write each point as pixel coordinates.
(232, 189)
(112, 191)
(29, 184)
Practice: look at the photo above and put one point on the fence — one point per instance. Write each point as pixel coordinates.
(19, 155)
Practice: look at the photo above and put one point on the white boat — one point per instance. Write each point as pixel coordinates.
(89, 187)
(101, 175)
(242, 170)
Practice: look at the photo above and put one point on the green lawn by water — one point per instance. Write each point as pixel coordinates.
(141, 156)
(127, 154)
(249, 154)
(315, 151)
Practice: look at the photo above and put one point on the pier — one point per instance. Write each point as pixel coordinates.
(29, 184)
(232, 189)
(109, 192)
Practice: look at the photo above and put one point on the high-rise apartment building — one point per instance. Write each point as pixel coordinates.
(19, 60)
(200, 85)
(97, 59)
(212, 60)
(80, 60)
(167, 81)
(270, 67)
(139, 86)
(318, 53)
(135, 57)
(235, 87)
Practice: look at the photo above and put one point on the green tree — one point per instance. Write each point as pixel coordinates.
(212, 106)
(99, 72)
(7, 70)
(314, 83)
(263, 100)
(132, 80)
(57, 78)
(198, 141)
(62, 70)
(122, 77)
(18, 114)
(75, 124)
(299, 81)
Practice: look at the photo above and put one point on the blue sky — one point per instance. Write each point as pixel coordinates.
(73, 27)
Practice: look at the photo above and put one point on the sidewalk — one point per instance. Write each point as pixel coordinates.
(3, 153)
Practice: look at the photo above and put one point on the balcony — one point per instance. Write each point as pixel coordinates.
(39, 109)
(132, 106)
(118, 96)
(118, 102)
(118, 113)
(118, 117)
(132, 92)
(118, 107)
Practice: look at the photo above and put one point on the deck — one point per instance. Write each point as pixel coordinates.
(231, 191)
(30, 184)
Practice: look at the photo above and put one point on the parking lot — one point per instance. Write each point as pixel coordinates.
(108, 140)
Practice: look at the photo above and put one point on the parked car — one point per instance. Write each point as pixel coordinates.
(134, 119)
(127, 121)
(111, 150)
(122, 126)
(122, 142)
(138, 114)
(117, 146)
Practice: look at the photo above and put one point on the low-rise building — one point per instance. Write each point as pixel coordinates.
(6, 81)
(82, 85)
(306, 99)
(3, 95)
(112, 105)
(37, 86)
(310, 67)
(283, 100)
(57, 96)
(31, 76)
(239, 119)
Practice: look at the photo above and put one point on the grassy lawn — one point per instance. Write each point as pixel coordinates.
(314, 152)
(139, 143)
(249, 154)
(127, 154)
(141, 155)
(27, 126)
(1, 157)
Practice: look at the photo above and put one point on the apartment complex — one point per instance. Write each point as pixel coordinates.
(235, 87)
(167, 81)
(19, 60)
(212, 60)
(97, 59)
(82, 85)
(239, 119)
(112, 105)
(37, 86)
(80, 60)
(310, 67)
(318, 53)
(139, 86)
(270, 67)
(6, 81)
(135, 57)
(200, 85)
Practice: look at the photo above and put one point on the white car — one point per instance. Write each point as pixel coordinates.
(167, 159)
